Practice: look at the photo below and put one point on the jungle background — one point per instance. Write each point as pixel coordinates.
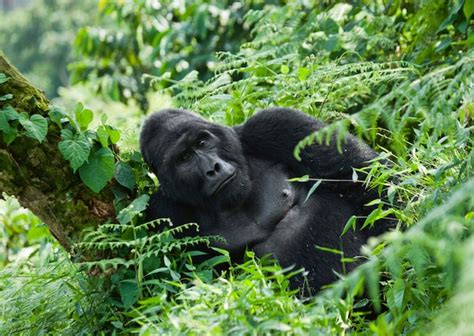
(397, 73)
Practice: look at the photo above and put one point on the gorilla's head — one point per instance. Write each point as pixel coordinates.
(197, 162)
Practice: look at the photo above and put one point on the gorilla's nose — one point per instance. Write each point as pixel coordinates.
(215, 170)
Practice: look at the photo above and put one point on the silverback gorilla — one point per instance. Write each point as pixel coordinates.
(233, 182)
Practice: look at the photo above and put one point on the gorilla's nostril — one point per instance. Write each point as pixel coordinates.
(211, 173)
(217, 167)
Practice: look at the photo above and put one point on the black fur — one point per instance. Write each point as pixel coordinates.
(234, 183)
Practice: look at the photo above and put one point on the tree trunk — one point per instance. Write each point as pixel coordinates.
(38, 175)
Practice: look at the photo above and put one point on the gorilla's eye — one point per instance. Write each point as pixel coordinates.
(201, 141)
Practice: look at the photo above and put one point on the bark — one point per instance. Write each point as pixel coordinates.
(38, 175)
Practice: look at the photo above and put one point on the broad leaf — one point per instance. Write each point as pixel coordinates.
(468, 9)
(114, 134)
(56, 115)
(10, 113)
(84, 118)
(137, 206)
(10, 135)
(103, 136)
(36, 127)
(75, 149)
(4, 125)
(98, 170)
(124, 175)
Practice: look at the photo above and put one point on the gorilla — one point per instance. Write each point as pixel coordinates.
(234, 182)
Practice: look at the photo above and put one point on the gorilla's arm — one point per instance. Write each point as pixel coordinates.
(273, 134)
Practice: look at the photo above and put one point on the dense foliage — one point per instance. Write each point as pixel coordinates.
(399, 74)
(166, 38)
(39, 36)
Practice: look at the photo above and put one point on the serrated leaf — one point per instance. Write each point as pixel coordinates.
(84, 118)
(103, 135)
(312, 190)
(124, 175)
(74, 149)
(36, 127)
(98, 170)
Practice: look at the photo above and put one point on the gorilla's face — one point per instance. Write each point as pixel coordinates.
(197, 163)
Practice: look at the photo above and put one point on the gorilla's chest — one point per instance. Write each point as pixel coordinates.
(272, 195)
(270, 201)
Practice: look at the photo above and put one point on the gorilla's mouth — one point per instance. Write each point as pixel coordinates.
(225, 182)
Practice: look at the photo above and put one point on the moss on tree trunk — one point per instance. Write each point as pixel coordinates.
(38, 175)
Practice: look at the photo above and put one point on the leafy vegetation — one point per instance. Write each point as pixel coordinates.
(399, 74)
(165, 38)
(38, 39)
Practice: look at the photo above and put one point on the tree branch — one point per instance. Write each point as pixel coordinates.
(38, 175)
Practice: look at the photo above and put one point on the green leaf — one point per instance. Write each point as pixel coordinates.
(304, 178)
(468, 9)
(56, 115)
(98, 170)
(455, 8)
(114, 134)
(284, 69)
(374, 202)
(103, 136)
(303, 73)
(10, 135)
(128, 292)
(372, 217)
(10, 112)
(4, 125)
(6, 97)
(349, 224)
(124, 175)
(84, 118)
(312, 190)
(36, 127)
(75, 149)
(330, 250)
(136, 207)
(3, 78)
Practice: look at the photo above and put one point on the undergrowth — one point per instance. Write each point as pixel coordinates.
(399, 76)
